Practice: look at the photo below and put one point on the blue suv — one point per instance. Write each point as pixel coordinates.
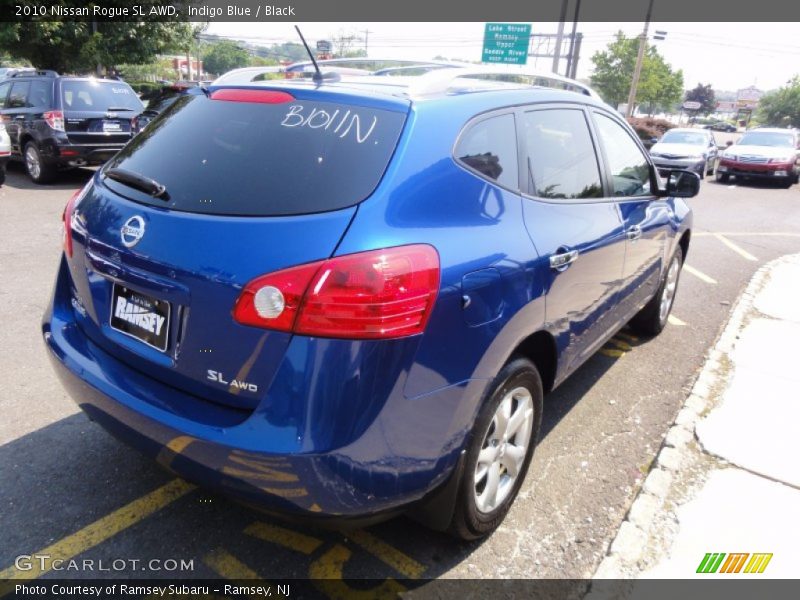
(343, 300)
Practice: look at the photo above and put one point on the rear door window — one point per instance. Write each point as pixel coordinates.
(260, 159)
(490, 148)
(4, 88)
(19, 94)
(562, 163)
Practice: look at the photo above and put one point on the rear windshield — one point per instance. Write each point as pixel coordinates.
(99, 95)
(247, 158)
(767, 138)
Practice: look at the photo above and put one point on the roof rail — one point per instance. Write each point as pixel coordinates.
(440, 80)
(32, 73)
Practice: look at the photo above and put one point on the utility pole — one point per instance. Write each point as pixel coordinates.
(559, 36)
(637, 71)
(571, 57)
(366, 42)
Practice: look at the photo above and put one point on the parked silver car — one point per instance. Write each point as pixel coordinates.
(690, 149)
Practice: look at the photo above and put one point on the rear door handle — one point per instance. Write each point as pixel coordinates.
(561, 261)
(634, 233)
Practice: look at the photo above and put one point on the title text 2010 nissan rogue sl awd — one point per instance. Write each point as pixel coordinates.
(346, 299)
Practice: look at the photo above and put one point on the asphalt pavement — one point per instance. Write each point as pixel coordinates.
(69, 489)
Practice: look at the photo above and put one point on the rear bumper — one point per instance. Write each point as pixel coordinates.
(347, 461)
(61, 152)
(764, 171)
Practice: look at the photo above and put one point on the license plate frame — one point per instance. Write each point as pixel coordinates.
(135, 323)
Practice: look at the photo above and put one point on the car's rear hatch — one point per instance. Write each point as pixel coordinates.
(98, 112)
(249, 190)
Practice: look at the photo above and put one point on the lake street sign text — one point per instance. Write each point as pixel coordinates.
(506, 43)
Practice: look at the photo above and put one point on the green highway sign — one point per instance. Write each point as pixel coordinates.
(506, 43)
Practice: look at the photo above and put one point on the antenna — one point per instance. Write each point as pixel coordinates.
(318, 75)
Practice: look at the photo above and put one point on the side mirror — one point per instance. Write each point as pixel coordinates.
(729, 143)
(682, 184)
(654, 140)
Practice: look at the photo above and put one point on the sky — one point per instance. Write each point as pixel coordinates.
(730, 56)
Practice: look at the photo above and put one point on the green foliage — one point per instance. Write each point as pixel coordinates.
(159, 69)
(705, 96)
(659, 86)
(144, 87)
(223, 56)
(75, 47)
(781, 108)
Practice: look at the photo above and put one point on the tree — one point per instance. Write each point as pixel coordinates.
(659, 85)
(781, 108)
(70, 46)
(705, 96)
(223, 56)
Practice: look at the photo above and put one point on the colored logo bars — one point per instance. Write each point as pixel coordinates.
(713, 562)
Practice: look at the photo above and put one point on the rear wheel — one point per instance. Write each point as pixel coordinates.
(38, 170)
(723, 177)
(652, 319)
(500, 450)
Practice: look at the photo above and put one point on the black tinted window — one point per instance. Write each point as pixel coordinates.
(630, 170)
(561, 157)
(490, 147)
(4, 87)
(40, 94)
(246, 158)
(99, 95)
(19, 94)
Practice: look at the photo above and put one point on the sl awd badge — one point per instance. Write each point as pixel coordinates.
(132, 231)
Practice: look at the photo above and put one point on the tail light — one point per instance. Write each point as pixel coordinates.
(55, 119)
(66, 217)
(369, 295)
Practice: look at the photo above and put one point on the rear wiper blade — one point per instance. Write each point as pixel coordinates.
(120, 108)
(139, 182)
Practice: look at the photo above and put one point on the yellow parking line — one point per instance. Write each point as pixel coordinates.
(284, 537)
(620, 344)
(673, 320)
(390, 555)
(104, 528)
(226, 565)
(699, 274)
(738, 249)
(627, 336)
(327, 574)
(612, 353)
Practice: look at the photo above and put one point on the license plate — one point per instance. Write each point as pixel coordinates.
(140, 316)
(112, 126)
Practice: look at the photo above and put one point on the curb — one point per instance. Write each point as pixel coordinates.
(629, 545)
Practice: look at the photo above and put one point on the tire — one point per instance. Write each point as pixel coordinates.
(38, 170)
(723, 177)
(517, 389)
(788, 182)
(652, 319)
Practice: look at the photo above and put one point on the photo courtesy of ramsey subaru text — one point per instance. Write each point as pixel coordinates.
(344, 298)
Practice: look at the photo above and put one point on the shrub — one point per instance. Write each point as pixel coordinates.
(144, 87)
(648, 128)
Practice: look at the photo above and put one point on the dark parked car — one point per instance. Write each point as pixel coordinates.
(59, 122)
(345, 300)
(721, 126)
(160, 100)
(692, 149)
